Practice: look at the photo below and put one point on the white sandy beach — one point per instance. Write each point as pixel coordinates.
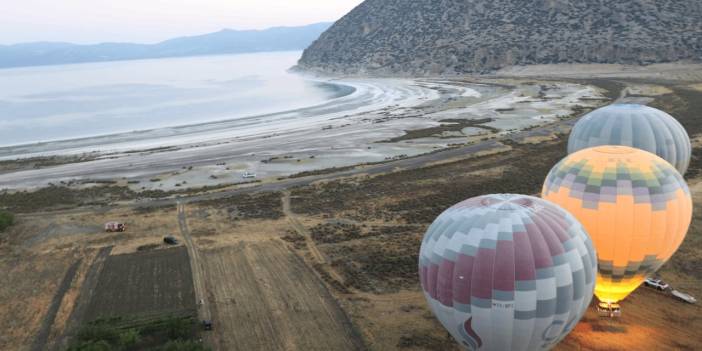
(340, 132)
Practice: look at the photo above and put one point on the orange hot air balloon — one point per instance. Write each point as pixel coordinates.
(636, 207)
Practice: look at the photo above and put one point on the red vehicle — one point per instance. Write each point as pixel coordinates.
(115, 227)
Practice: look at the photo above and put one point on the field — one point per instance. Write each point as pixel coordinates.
(52, 264)
(328, 264)
(143, 284)
(265, 298)
(28, 289)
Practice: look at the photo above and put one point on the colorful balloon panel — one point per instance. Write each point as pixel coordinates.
(636, 207)
(638, 126)
(507, 272)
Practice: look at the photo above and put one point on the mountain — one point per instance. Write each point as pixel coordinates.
(428, 37)
(223, 42)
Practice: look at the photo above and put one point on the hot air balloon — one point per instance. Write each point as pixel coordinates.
(507, 272)
(635, 206)
(638, 126)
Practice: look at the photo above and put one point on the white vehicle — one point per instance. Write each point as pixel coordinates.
(656, 284)
(115, 227)
(612, 310)
(684, 297)
(248, 175)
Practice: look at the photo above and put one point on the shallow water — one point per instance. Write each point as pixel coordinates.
(50, 103)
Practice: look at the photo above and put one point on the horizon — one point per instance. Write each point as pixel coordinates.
(167, 39)
(87, 22)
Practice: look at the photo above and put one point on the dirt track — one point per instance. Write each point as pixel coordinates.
(42, 337)
(300, 229)
(195, 265)
(87, 289)
(265, 298)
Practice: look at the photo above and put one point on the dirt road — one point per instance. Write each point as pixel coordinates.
(40, 340)
(87, 291)
(195, 264)
(300, 229)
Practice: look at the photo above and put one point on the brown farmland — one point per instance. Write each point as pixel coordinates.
(265, 298)
(144, 284)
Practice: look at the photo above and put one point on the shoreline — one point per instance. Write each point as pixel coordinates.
(92, 143)
(383, 120)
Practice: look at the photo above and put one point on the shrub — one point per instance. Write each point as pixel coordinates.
(180, 345)
(179, 328)
(100, 345)
(6, 220)
(129, 338)
(99, 332)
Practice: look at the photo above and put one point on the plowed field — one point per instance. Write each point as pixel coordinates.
(264, 297)
(144, 284)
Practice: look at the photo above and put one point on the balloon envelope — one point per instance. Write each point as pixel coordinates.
(507, 272)
(635, 206)
(638, 126)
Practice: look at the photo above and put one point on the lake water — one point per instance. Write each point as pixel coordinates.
(75, 101)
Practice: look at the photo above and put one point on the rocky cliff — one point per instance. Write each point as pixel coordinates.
(429, 37)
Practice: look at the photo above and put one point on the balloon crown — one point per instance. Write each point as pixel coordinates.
(507, 202)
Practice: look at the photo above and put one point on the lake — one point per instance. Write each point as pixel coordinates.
(39, 104)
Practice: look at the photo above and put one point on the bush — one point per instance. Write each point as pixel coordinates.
(180, 345)
(179, 328)
(129, 338)
(6, 220)
(101, 345)
(99, 332)
(120, 334)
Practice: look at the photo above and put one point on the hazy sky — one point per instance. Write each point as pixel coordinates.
(145, 21)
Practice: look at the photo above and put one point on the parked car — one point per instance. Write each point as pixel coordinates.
(684, 297)
(170, 240)
(115, 227)
(656, 284)
(612, 310)
(207, 325)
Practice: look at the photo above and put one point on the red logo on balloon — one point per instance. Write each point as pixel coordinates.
(470, 337)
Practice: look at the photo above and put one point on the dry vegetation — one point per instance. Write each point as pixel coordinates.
(268, 288)
(377, 269)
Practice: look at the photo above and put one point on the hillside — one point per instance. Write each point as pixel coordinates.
(223, 42)
(426, 37)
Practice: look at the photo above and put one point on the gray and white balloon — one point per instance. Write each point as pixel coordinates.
(637, 126)
(507, 272)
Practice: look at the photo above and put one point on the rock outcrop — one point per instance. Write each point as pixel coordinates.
(431, 37)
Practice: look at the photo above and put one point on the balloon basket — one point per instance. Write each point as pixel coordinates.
(609, 310)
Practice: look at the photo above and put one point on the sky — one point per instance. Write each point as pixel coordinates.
(150, 21)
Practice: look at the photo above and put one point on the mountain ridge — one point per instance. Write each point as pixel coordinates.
(445, 37)
(225, 41)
